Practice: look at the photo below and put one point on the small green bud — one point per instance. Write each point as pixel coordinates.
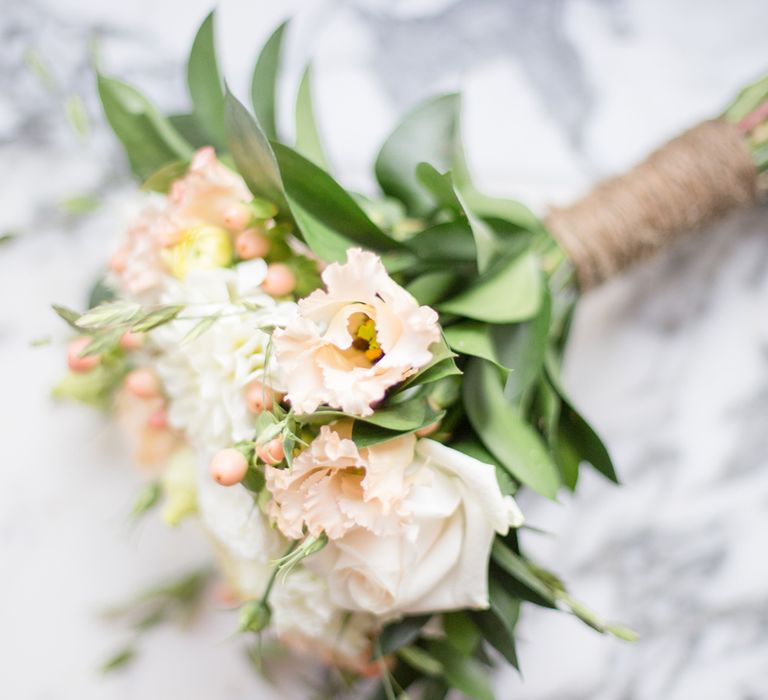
(255, 615)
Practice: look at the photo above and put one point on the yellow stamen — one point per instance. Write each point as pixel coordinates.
(369, 343)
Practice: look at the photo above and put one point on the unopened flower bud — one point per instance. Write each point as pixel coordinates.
(131, 341)
(254, 616)
(259, 397)
(143, 383)
(229, 466)
(158, 420)
(272, 453)
(77, 363)
(251, 244)
(279, 280)
(237, 216)
(118, 261)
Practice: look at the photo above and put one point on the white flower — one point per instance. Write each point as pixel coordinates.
(355, 340)
(306, 620)
(206, 378)
(438, 559)
(303, 615)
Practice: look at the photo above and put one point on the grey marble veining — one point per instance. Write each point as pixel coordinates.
(669, 362)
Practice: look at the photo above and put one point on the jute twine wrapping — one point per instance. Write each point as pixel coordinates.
(691, 181)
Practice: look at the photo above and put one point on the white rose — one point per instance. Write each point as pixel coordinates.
(438, 559)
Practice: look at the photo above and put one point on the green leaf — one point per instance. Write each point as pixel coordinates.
(156, 317)
(497, 624)
(162, 180)
(205, 84)
(519, 569)
(509, 292)
(148, 497)
(119, 660)
(254, 480)
(393, 421)
(317, 199)
(464, 673)
(149, 139)
(252, 153)
(308, 141)
(103, 342)
(398, 261)
(93, 388)
(426, 134)
(431, 287)
(440, 186)
(504, 432)
(401, 633)
(198, 329)
(487, 245)
(477, 339)
(522, 347)
(622, 632)
(190, 128)
(460, 632)
(434, 689)
(420, 660)
(507, 209)
(449, 241)
(111, 313)
(100, 293)
(576, 435)
(441, 365)
(68, 315)
(264, 82)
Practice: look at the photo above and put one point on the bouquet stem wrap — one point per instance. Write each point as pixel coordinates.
(689, 182)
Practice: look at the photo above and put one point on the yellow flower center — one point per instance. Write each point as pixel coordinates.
(200, 248)
(365, 339)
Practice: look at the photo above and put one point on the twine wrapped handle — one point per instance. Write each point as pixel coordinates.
(689, 182)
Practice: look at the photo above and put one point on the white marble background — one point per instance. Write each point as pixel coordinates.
(671, 362)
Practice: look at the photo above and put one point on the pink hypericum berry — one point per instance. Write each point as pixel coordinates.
(237, 216)
(117, 261)
(131, 341)
(159, 419)
(251, 244)
(77, 363)
(279, 281)
(272, 453)
(143, 383)
(259, 397)
(228, 467)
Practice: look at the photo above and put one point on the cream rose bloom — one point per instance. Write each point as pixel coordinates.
(187, 230)
(410, 523)
(354, 340)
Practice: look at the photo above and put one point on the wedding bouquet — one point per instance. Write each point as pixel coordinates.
(348, 391)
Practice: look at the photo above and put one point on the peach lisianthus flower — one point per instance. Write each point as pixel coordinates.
(354, 340)
(333, 486)
(191, 229)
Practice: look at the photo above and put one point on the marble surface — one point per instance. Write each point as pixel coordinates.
(670, 362)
